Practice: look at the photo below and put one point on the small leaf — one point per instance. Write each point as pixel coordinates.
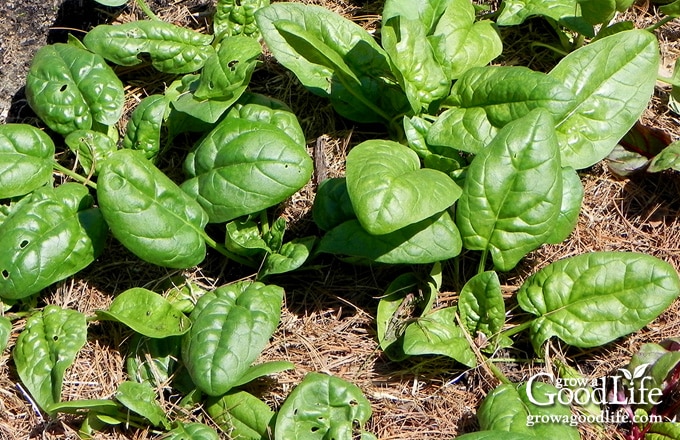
(191, 431)
(264, 369)
(592, 299)
(207, 111)
(147, 313)
(390, 191)
(244, 238)
(46, 347)
(669, 158)
(242, 415)
(91, 148)
(141, 398)
(322, 407)
(172, 49)
(152, 360)
(5, 332)
(481, 307)
(26, 156)
(144, 126)
(291, 256)
(438, 333)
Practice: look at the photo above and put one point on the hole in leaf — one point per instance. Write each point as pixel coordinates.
(353, 402)
(5, 274)
(23, 244)
(148, 313)
(238, 2)
(55, 338)
(63, 88)
(314, 428)
(232, 64)
(211, 85)
(295, 412)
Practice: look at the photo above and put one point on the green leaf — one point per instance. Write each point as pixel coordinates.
(243, 167)
(234, 17)
(460, 43)
(70, 88)
(207, 111)
(481, 307)
(592, 299)
(26, 156)
(191, 431)
(509, 408)
(613, 80)
(152, 360)
(46, 347)
(231, 326)
(148, 213)
(437, 333)
(91, 148)
(428, 12)
(52, 236)
(242, 415)
(144, 126)
(291, 256)
(147, 313)
(672, 9)
(513, 191)
(340, 38)
(663, 431)
(100, 406)
(419, 73)
(572, 196)
(226, 76)
(322, 407)
(5, 332)
(332, 205)
(487, 98)
(141, 398)
(566, 12)
(172, 49)
(390, 191)
(428, 241)
(264, 369)
(669, 158)
(244, 238)
(602, 11)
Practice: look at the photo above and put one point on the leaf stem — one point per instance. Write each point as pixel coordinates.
(73, 175)
(553, 48)
(226, 252)
(659, 23)
(147, 10)
(482, 261)
(516, 329)
(497, 372)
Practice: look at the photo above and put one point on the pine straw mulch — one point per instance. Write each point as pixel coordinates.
(328, 320)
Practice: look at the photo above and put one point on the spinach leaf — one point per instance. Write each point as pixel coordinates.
(70, 88)
(191, 431)
(513, 191)
(144, 126)
(148, 213)
(237, 17)
(191, 109)
(332, 205)
(51, 237)
(390, 191)
(572, 196)
(481, 307)
(242, 415)
(613, 80)
(172, 49)
(376, 97)
(428, 241)
(152, 360)
(231, 326)
(243, 167)
(591, 299)
(291, 256)
(46, 347)
(91, 148)
(26, 156)
(147, 313)
(322, 407)
(5, 332)
(141, 398)
(566, 12)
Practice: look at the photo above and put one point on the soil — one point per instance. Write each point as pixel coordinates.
(328, 321)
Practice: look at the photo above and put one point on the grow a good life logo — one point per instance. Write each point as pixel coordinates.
(624, 389)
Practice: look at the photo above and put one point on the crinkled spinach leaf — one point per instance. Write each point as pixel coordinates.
(322, 407)
(242, 415)
(231, 326)
(237, 17)
(226, 76)
(148, 213)
(389, 190)
(172, 49)
(592, 299)
(26, 156)
(152, 360)
(144, 126)
(70, 88)
(46, 347)
(291, 256)
(513, 191)
(51, 237)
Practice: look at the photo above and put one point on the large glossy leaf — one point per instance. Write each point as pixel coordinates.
(428, 12)
(172, 49)
(322, 407)
(390, 191)
(242, 415)
(428, 241)
(144, 126)
(509, 407)
(26, 156)
(226, 76)
(591, 299)
(192, 109)
(513, 191)
(420, 74)
(70, 88)
(481, 307)
(488, 98)
(147, 313)
(51, 237)
(231, 326)
(438, 333)
(237, 17)
(148, 213)
(243, 167)
(338, 37)
(613, 80)
(46, 347)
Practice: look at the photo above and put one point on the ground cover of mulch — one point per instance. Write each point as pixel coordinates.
(328, 321)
